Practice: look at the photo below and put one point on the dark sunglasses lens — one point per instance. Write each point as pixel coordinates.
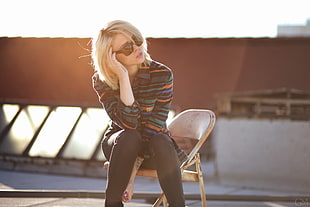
(137, 41)
(128, 49)
(127, 52)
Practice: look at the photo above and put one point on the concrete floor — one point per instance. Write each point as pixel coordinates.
(217, 195)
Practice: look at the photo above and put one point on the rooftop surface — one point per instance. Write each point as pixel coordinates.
(31, 189)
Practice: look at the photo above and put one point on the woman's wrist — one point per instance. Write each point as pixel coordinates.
(126, 93)
(130, 183)
(123, 76)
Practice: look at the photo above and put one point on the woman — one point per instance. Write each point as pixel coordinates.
(136, 92)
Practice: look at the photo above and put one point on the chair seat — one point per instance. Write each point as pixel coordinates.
(187, 175)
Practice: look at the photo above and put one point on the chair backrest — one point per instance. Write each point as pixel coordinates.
(193, 124)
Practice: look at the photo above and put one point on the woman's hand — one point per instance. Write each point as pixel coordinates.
(126, 94)
(127, 195)
(115, 65)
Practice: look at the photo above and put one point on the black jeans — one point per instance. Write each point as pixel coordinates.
(122, 149)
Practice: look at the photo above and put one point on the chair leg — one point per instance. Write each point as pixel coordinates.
(165, 202)
(201, 184)
(159, 200)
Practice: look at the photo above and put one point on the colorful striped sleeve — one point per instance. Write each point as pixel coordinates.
(126, 117)
(157, 121)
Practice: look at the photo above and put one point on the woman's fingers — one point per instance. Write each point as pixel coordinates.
(112, 57)
(127, 195)
(114, 64)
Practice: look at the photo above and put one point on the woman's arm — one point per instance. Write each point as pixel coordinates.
(157, 121)
(120, 104)
(126, 94)
(164, 93)
(127, 195)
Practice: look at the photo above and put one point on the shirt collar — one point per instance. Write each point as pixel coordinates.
(143, 76)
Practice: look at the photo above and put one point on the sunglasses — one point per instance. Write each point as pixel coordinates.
(127, 49)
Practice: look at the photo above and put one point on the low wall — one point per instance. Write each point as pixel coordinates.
(71, 167)
(270, 154)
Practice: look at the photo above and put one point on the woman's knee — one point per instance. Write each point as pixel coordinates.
(129, 135)
(164, 151)
(129, 138)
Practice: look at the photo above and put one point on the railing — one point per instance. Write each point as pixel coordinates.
(281, 103)
(52, 131)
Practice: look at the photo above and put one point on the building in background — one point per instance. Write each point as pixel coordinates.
(294, 30)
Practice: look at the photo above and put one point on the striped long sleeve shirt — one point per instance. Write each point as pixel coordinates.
(153, 91)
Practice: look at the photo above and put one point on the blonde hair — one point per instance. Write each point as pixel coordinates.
(102, 44)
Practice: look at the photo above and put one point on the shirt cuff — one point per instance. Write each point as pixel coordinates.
(134, 108)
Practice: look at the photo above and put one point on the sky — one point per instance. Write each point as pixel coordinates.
(159, 18)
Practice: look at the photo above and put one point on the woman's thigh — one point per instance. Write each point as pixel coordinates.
(161, 145)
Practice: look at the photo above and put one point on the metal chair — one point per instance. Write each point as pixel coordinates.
(188, 127)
